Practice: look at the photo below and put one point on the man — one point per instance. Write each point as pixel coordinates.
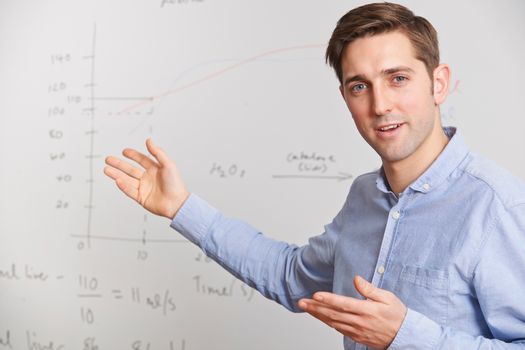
(426, 253)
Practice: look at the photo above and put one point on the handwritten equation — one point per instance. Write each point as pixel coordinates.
(33, 341)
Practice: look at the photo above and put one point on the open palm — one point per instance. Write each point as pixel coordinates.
(157, 185)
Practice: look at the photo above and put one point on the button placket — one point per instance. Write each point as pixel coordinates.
(380, 268)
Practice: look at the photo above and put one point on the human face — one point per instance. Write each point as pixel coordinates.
(391, 97)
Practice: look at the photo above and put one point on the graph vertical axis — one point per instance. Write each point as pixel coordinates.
(91, 134)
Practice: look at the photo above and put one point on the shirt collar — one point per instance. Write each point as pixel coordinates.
(454, 152)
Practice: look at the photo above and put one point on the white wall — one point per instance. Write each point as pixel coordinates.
(236, 84)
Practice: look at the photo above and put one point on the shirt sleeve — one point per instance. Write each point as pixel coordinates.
(499, 283)
(419, 332)
(278, 270)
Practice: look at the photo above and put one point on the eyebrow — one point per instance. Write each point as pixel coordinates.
(388, 71)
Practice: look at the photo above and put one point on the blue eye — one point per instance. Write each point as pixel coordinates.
(358, 87)
(399, 79)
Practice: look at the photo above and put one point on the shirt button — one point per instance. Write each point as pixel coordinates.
(380, 270)
(396, 215)
(426, 187)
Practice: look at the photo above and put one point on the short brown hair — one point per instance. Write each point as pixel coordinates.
(379, 18)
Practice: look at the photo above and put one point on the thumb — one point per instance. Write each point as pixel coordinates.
(157, 152)
(367, 289)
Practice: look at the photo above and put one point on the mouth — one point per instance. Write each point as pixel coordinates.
(389, 128)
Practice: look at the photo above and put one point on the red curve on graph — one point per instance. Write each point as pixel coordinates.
(214, 75)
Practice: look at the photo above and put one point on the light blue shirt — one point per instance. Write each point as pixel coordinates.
(451, 247)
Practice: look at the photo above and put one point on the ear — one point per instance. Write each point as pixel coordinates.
(441, 77)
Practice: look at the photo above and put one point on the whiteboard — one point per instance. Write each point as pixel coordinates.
(238, 94)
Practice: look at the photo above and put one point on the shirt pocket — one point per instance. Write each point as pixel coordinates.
(424, 290)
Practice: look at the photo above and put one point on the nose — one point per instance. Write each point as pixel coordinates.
(382, 102)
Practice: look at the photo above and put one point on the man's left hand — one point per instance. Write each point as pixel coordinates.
(373, 322)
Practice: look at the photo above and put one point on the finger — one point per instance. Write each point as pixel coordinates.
(129, 188)
(368, 290)
(158, 153)
(346, 329)
(125, 183)
(113, 172)
(329, 315)
(124, 167)
(341, 303)
(138, 157)
(314, 309)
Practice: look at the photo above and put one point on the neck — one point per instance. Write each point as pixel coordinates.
(400, 174)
